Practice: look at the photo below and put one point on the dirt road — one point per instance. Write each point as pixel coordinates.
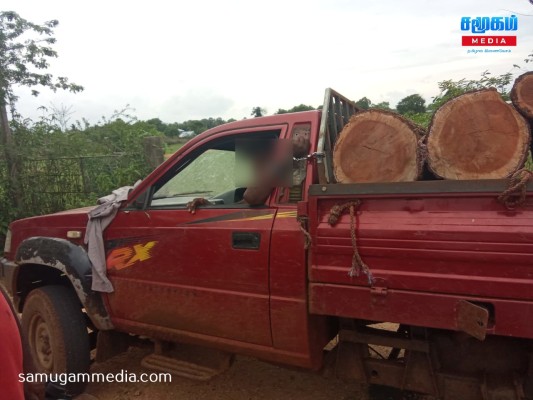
(247, 379)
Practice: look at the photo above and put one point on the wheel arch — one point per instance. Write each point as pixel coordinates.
(53, 261)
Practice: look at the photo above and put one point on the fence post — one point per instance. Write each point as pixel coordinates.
(153, 150)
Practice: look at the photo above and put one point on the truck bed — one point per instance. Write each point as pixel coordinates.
(429, 246)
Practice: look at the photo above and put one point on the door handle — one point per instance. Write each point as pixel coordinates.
(245, 240)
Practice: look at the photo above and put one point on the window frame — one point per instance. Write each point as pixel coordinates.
(277, 131)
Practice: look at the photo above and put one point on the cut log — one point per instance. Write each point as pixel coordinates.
(522, 94)
(378, 146)
(477, 136)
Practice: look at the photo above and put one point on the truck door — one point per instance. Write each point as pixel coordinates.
(203, 274)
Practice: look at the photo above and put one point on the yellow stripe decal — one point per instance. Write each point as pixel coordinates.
(287, 214)
(284, 214)
(238, 216)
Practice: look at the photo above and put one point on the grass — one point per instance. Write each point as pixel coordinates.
(529, 163)
(172, 148)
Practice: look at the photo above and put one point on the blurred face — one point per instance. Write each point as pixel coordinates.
(300, 142)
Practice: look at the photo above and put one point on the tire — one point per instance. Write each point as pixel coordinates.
(56, 331)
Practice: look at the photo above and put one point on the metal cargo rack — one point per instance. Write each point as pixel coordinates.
(336, 113)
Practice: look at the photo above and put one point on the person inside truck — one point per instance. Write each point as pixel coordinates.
(258, 194)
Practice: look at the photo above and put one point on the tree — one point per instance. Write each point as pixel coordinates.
(450, 89)
(384, 105)
(413, 104)
(363, 103)
(298, 108)
(25, 49)
(60, 116)
(258, 112)
(22, 60)
(158, 124)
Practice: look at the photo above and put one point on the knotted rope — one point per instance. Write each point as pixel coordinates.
(357, 263)
(303, 224)
(515, 194)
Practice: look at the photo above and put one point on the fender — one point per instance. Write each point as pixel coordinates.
(73, 261)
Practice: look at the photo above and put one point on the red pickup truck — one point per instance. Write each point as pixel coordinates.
(425, 286)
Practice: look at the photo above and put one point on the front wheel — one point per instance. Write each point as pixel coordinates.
(55, 328)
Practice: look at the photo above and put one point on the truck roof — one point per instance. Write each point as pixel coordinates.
(277, 119)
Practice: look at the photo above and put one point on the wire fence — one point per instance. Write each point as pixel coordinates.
(51, 185)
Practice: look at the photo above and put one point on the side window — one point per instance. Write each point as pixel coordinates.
(218, 173)
(211, 175)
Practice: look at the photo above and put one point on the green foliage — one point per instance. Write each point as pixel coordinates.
(7, 213)
(158, 125)
(450, 89)
(59, 170)
(422, 119)
(298, 108)
(384, 105)
(172, 148)
(413, 104)
(42, 140)
(363, 103)
(258, 112)
(174, 129)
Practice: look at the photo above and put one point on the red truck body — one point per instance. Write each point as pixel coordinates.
(444, 257)
(429, 245)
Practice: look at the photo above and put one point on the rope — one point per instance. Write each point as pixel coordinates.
(357, 263)
(303, 222)
(515, 194)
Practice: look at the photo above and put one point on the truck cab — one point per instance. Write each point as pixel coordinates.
(231, 274)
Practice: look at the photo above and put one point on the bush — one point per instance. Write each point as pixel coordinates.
(60, 170)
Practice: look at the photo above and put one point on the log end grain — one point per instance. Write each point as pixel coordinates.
(377, 146)
(477, 136)
(522, 94)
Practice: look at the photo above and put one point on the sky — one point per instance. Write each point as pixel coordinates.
(180, 60)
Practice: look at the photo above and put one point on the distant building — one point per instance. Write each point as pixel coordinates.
(185, 134)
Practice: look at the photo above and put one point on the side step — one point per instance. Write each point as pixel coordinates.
(187, 361)
(179, 368)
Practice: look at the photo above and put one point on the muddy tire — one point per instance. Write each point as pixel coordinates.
(55, 328)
